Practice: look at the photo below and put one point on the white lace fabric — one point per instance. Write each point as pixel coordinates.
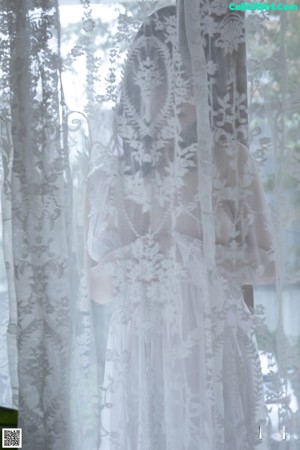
(180, 227)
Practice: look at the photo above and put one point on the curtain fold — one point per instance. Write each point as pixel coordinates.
(39, 218)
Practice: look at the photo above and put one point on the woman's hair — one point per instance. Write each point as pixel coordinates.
(158, 60)
(146, 81)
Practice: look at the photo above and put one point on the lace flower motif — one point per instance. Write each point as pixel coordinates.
(231, 34)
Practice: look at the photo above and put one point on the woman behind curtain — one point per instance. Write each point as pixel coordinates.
(178, 225)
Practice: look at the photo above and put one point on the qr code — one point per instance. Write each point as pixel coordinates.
(11, 438)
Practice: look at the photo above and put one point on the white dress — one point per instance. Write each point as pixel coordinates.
(182, 370)
(180, 363)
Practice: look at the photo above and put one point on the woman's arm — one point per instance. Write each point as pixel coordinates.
(101, 235)
(247, 250)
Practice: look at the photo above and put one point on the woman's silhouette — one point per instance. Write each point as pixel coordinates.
(181, 366)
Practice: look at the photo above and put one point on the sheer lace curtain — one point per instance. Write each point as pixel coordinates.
(150, 215)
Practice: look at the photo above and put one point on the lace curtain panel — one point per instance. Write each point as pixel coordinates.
(150, 260)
